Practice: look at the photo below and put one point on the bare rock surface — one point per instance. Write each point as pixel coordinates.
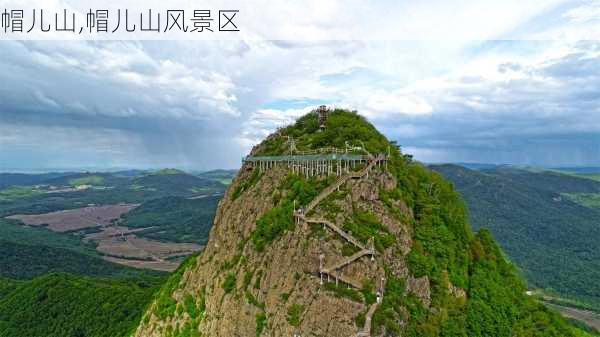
(285, 274)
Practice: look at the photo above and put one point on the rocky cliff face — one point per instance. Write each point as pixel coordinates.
(286, 274)
(405, 256)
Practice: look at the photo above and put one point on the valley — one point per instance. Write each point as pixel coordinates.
(89, 217)
(547, 222)
(116, 243)
(142, 220)
(82, 254)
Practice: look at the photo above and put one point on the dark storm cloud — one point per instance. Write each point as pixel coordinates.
(544, 115)
(156, 104)
(82, 89)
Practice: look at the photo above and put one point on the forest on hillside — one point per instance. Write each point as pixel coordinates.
(550, 236)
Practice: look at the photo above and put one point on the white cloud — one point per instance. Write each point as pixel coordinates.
(589, 11)
(444, 97)
(152, 85)
(264, 121)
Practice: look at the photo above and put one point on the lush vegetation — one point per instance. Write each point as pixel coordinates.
(89, 180)
(48, 303)
(164, 304)
(444, 248)
(11, 193)
(27, 261)
(294, 313)
(13, 231)
(342, 126)
(550, 237)
(195, 307)
(441, 244)
(229, 283)
(65, 288)
(68, 305)
(591, 200)
(496, 303)
(496, 288)
(7, 286)
(175, 219)
(365, 226)
(27, 252)
(223, 176)
(279, 219)
(246, 184)
(261, 322)
(446, 251)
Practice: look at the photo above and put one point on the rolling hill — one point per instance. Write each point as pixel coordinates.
(174, 218)
(21, 179)
(59, 193)
(175, 182)
(550, 237)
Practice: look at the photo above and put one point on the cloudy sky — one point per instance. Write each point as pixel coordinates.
(516, 83)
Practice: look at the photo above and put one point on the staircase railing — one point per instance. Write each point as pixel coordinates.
(333, 271)
(341, 180)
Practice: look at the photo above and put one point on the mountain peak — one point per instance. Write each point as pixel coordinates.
(329, 231)
(343, 129)
(168, 171)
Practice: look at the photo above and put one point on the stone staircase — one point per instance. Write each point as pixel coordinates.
(339, 277)
(333, 270)
(348, 260)
(366, 332)
(336, 229)
(341, 180)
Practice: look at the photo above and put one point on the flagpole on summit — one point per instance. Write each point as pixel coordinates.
(322, 111)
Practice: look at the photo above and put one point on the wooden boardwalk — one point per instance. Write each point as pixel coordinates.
(340, 164)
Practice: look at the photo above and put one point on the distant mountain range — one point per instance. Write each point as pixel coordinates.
(484, 166)
(545, 220)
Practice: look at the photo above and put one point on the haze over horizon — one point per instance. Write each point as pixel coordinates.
(200, 105)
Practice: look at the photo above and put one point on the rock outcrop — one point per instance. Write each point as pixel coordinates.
(285, 274)
(386, 253)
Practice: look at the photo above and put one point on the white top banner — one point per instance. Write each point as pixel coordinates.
(308, 20)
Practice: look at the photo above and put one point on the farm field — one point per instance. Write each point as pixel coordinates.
(130, 250)
(115, 243)
(145, 220)
(76, 219)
